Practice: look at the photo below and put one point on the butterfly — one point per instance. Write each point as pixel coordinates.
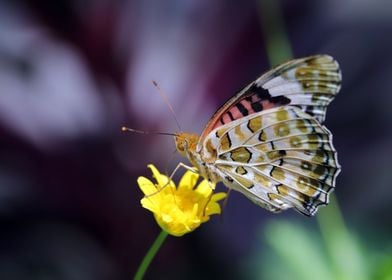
(268, 141)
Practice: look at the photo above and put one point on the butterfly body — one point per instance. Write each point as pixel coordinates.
(187, 145)
(268, 143)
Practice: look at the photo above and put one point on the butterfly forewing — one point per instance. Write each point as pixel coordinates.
(309, 83)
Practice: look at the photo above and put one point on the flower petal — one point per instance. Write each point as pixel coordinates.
(213, 208)
(179, 210)
(195, 209)
(204, 188)
(205, 219)
(218, 196)
(149, 204)
(146, 185)
(162, 180)
(189, 180)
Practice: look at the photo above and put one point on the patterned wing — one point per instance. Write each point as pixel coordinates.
(279, 158)
(309, 83)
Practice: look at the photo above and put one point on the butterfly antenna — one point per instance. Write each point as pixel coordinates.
(124, 128)
(164, 96)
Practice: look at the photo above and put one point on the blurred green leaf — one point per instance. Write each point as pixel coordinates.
(343, 247)
(383, 269)
(299, 251)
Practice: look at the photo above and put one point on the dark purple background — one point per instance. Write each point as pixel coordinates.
(73, 72)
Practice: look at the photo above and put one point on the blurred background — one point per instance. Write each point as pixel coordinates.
(73, 72)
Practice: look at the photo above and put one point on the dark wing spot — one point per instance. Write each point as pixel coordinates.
(280, 100)
(256, 106)
(262, 137)
(272, 171)
(264, 94)
(310, 110)
(241, 170)
(230, 115)
(249, 127)
(261, 93)
(242, 109)
(229, 179)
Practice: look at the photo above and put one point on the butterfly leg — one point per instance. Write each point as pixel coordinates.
(192, 169)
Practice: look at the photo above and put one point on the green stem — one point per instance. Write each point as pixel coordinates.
(150, 255)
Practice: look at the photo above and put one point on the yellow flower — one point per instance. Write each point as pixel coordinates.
(179, 210)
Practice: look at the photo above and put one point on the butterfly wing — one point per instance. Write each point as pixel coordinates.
(279, 158)
(309, 83)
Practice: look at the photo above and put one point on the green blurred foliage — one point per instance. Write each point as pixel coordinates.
(293, 250)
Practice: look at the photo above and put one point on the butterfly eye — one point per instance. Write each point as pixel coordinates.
(181, 144)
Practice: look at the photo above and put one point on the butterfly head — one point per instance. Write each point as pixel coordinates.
(186, 142)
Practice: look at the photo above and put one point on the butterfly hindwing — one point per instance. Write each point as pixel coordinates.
(309, 83)
(279, 158)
